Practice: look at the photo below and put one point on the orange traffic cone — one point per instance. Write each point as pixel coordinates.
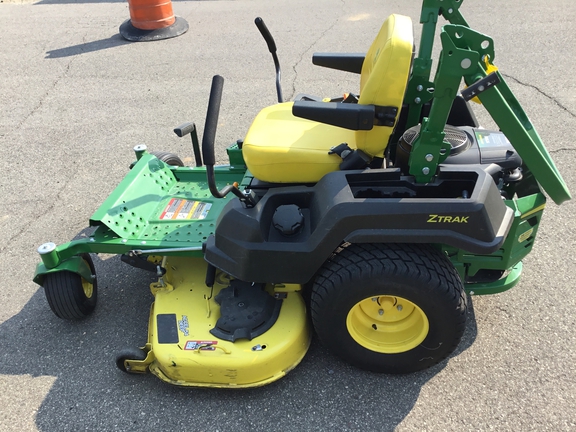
(152, 20)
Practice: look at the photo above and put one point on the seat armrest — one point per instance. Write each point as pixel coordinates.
(348, 62)
(348, 116)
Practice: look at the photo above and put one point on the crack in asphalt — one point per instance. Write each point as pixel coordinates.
(46, 211)
(44, 96)
(543, 93)
(299, 61)
(52, 203)
(561, 149)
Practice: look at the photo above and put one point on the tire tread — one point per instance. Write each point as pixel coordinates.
(65, 294)
(422, 263)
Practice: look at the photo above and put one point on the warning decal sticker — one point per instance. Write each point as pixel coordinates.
(203, 345)
(183, 209)
(491, 139)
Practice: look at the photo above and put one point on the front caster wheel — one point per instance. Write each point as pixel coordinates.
(168, 158)
(129, 354)
(69, 295)
(392, 308)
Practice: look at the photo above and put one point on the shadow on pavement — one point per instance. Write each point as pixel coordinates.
(83, 48)
(322, 393)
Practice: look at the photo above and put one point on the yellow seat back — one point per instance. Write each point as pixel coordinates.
(384, 77)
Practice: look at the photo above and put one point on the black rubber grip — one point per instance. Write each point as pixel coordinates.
(184, 129)
(212, 120)
(265, 34)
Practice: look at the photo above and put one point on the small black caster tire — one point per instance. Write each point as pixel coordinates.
(168, 158)
(129, 354)
(69, 295)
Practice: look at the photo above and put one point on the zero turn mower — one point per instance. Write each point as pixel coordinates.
(366, 218)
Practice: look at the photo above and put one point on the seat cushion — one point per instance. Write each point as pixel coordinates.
(281, 148)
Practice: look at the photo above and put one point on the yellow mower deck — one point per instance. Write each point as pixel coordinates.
(182, 351)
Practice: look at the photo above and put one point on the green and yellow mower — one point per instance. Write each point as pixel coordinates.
(366, 218)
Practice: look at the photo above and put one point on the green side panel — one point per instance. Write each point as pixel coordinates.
(128, 207)
(501, 285)
(528, 212)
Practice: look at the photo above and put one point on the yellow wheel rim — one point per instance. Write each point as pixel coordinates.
(387, 324)
(88, 288)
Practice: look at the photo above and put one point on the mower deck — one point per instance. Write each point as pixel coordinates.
(182, 350)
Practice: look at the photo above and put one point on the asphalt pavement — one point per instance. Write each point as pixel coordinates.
(75, 98)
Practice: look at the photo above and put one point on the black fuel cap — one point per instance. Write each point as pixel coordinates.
(288, 219)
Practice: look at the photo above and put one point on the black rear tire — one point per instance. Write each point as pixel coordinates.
(69, 295)
(391, 308)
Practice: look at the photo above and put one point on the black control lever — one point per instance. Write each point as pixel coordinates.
(190, 128)
(272, 48)
(208, 144)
